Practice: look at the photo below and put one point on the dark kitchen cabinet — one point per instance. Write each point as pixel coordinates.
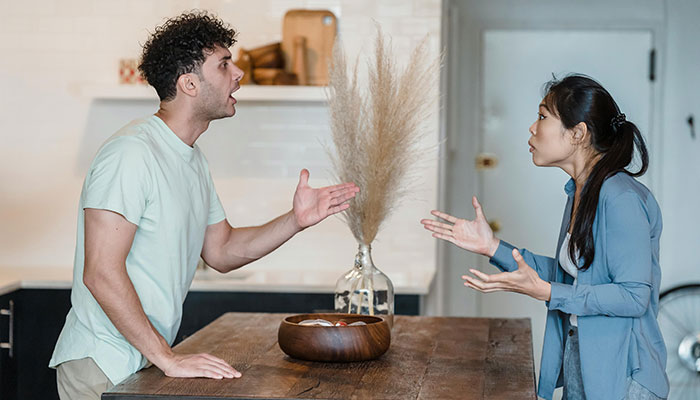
(8, 364)
(201, 308)
(39, 315)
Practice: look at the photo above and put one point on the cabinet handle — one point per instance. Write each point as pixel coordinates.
(11, 313)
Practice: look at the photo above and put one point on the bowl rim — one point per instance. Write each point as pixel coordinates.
(379, 320)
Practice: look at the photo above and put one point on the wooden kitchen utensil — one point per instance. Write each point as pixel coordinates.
(334, 343)
(318, 28)
(268, 56)
(245, 64)
(299, 60)
(273, 76)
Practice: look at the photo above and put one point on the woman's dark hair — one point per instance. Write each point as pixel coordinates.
(179, 46)
(578, 98)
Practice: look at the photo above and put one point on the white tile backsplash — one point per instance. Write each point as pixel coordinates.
(50, 133)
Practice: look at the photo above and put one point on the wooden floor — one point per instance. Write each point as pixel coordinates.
(429, 358)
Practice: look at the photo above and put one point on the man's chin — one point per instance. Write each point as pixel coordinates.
(227, 114)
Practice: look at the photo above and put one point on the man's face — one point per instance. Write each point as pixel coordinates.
(219, 78)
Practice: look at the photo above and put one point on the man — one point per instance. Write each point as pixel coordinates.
(149, 210)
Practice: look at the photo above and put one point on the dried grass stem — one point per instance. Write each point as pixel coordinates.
(377, 132)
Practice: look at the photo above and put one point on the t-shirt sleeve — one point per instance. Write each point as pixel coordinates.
(119, 179)
(216, 210)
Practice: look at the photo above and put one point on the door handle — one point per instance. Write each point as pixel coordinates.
(10, 312)
(486, 161)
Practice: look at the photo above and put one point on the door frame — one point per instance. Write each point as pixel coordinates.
(460, 121)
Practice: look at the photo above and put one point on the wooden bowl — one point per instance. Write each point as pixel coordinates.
(334, 343)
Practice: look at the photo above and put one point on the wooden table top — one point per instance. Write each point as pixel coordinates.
(429, 358)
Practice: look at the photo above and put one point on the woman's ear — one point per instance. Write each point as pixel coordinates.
(188, 84)
(579, 133)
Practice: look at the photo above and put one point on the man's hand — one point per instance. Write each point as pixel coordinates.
(196, 366)
(311, 205)
(523, 280)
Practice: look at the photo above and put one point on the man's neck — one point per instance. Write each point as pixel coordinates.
(182, 123)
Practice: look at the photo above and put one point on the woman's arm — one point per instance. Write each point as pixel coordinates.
(543, 265)
(476, 236)
(628, 259)
(629, 263)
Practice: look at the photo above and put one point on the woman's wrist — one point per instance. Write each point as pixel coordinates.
(546, 291)
(491, 251)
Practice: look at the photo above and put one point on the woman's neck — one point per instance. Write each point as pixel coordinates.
(580, 170)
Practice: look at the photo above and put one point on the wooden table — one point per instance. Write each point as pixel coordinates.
(429, 358)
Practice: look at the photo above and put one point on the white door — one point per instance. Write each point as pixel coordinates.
(528, 201)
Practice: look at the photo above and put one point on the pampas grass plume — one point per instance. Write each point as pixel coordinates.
(377, 132)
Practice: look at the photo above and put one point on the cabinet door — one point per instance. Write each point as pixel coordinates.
(8, 365)
(41, 314)
(201, 308)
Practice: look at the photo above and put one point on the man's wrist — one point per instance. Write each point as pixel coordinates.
(162, 357)
(296, 226)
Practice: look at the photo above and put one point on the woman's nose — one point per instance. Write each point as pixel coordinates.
(532, 128)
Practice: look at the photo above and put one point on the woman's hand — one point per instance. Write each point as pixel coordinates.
(475, 236)
(523, 280)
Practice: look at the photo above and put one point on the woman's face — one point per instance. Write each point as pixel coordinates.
(550, 142)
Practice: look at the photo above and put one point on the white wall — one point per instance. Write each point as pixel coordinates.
(675, 157)
(50, 131)
(680, 184)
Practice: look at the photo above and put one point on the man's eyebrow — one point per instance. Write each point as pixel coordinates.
(225, 58)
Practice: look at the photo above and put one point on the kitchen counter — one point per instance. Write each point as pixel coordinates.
(246, 279)
(429, 358)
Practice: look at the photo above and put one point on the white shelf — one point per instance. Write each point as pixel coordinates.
(313, 94)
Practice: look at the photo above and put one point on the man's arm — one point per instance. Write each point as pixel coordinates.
(227, 248)
(108, 239)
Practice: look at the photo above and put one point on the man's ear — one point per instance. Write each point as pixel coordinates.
(188, 84)
(579, 133)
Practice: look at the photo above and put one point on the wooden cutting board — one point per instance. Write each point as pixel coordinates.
(318, 28)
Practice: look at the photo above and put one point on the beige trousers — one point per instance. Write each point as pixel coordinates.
(81, 380)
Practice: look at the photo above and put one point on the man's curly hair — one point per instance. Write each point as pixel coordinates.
(179, 46)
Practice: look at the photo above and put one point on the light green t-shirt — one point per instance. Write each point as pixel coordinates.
(156, 181)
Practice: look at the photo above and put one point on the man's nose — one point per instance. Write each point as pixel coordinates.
(237, 73)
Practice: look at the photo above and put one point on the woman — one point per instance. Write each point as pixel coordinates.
(602, 340)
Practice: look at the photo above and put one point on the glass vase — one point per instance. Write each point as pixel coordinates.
(365, 289)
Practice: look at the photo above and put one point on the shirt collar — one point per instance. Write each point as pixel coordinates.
(173, 141)
(570, 187)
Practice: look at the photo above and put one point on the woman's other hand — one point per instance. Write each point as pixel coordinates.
(523, 280)
(475, 236)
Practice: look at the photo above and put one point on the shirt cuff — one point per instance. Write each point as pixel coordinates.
(503, 257)
(560, 295)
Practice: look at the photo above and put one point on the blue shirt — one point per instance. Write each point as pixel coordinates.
(616, 298)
